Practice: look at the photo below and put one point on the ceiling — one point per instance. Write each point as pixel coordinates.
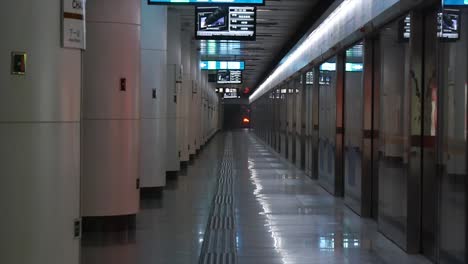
(280, 24)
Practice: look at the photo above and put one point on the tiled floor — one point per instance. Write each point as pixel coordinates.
(281, 216)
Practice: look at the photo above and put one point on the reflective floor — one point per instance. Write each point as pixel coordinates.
(280, 216)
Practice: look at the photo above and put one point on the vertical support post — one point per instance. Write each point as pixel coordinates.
(416, 46)
(368, 86)
(428, 172)
(339, 142)
(315, 121)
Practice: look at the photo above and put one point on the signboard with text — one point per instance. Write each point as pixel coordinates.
(74, 24)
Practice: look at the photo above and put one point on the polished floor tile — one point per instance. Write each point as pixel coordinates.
(281, 216)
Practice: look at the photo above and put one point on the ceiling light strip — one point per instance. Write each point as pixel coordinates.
(346, 19)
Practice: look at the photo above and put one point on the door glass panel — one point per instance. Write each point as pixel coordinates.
(291, 121)
(309, 82)
(453, 92)
(300, 143)
(394, 135)
(353, 123)
(327, 128)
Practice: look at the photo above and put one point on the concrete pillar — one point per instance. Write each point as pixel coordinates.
(153, 95)
(39, 137)
(174, 80)
(111, 109)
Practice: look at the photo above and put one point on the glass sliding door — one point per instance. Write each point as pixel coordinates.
(394, 142)
(452, 119)
(309, 82)
(300, 126)
(283, 120)
(353, 123)
(327, 129)
(291, 101)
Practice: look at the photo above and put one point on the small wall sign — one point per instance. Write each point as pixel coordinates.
(18, 63)
(74, 24)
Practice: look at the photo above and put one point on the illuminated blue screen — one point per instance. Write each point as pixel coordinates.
(204, 2)
(350, 67)
(456, 2)
(222, 65)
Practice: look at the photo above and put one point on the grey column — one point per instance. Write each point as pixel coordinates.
(39, 137)
(111, 109)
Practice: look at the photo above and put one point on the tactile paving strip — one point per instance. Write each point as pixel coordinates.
(219, 244)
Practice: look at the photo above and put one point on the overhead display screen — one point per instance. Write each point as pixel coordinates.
(448, 26)
(456, 2)
(225, 22)
(229, 77)
(230, 93)
(222, 65)
(206, 2)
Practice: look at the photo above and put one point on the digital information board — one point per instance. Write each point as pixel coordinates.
(230, 93)
(456, 2)
(229, 77)
(222, 65)
(448, 26)
(206, 2)
(225, 22)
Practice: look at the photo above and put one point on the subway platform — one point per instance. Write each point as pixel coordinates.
(239, 202)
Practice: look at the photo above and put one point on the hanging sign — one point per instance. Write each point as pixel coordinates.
(74, 24)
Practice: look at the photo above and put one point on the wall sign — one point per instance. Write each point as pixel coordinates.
(74, 24)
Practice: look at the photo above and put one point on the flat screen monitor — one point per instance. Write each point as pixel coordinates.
(222, 65)
(449, 24)
(229, 77)
(455, 2)
(206, 2)
(225, 22)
